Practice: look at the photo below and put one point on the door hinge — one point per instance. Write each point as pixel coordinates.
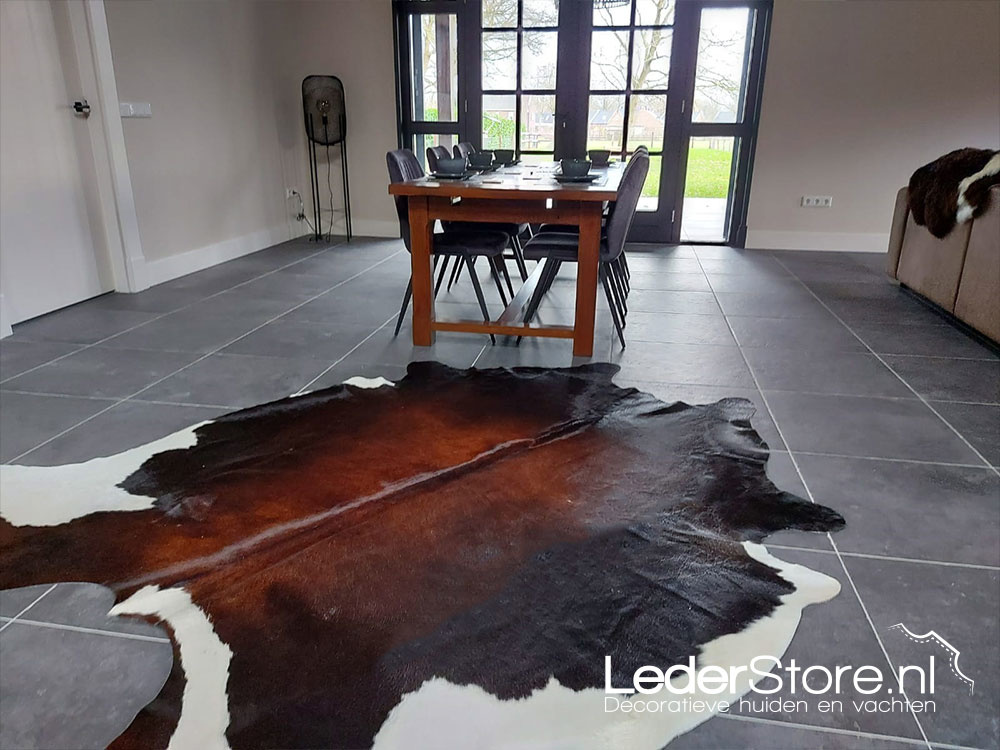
(683, 105)
(673, 215)
(466, 106)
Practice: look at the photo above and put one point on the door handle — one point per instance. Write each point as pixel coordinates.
(82, 108)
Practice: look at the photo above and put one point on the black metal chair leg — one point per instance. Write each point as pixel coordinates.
(551, 276)
(522, 269)
(406, 303)
(455, 273)
(502, 267)
(495, 273)
(622, 276)
(479, 293)
(614, 315)
(441, 273)
(536, 297)
(619, 290)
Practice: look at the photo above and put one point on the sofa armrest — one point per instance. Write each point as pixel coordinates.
(896, 232)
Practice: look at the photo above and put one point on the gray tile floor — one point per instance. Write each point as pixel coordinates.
(871, 403)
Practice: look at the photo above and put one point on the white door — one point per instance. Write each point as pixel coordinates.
(48, 198)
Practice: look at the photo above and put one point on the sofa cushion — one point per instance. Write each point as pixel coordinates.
(978, 301)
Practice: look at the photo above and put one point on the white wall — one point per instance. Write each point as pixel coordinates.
(856, 96)
(210, 168)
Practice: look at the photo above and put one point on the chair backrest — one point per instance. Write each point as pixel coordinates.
(463, 149)
(433, 154)
(403, 165)
(629, 190)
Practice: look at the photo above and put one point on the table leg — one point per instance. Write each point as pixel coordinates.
(421, 240)
(586, 278)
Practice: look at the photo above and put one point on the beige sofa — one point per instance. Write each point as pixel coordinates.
(961, 273)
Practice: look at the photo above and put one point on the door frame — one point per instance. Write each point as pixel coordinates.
(116, 234)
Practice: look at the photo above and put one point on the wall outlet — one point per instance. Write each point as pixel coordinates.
(817, 201)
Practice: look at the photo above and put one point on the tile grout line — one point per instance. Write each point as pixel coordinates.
(11, 620)
(336, 362)
(202, 357)
(82, 629)
(829, 536)
(170, 312)
(891, 558)
(885, 364)
(837, 730)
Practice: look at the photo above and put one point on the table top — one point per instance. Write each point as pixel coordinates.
(517, 182)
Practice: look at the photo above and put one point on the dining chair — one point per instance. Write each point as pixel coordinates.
(555, 248)
(464, 245)
(433, 154)
(463, 149)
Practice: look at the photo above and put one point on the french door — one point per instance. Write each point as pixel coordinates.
(553, 79)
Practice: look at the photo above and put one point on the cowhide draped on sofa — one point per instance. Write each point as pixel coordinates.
(480, 532)
(953, 188)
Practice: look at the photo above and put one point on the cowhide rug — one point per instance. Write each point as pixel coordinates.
(953, 189)
(444, 562)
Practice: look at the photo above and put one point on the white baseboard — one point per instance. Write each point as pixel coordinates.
(5, 322)
(375, 228)
(855, 242)
(174, 266)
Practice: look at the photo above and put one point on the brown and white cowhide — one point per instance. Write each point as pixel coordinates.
(953, 189)
(444, 562)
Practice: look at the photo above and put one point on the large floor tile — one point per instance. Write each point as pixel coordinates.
(125, 426)
(27, 420)
(753, 284)
(236, 380)
(156, 299)
(950, 379)
(978, 423)
(683, 363)
(823, 334)
(678, 328)
(821, 371)
(81, 324)
(19, 356)
(67, 689)
(888, 504)
(793, 304)
(651, 300)
(725, 733)
(14, 602)
(926, 340)
(185, 331)
(870, 427)
(831, 634)
(288, 338)
(119, 372)
(676, 282)
(959, 605)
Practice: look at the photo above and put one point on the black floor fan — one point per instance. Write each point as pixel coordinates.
(326, 125)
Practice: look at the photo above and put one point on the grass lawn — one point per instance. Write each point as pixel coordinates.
(707, 174)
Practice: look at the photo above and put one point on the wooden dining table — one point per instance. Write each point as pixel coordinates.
(517, 194)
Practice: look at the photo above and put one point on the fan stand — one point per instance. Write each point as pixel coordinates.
(314, 185)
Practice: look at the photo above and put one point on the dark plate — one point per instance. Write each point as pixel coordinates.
(436, 176)
(574, 179)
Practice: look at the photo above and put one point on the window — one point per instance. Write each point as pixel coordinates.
(520, 41)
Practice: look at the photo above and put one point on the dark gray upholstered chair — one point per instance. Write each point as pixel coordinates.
(556, 248)
(433, 154)
(463, 149)
(463, 245)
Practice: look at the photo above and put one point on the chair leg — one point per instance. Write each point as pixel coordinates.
(455, 273)
(551, 276)
(620, 307)
(614, 313)
(536, 297)
(479, 293)
(440, 279)
(619, 287)
(502, 267)
(515, 243)
(623, 274)
(406, 303)
(495, 273)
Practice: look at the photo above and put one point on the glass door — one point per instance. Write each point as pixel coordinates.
(727, 42)
(431, 92)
